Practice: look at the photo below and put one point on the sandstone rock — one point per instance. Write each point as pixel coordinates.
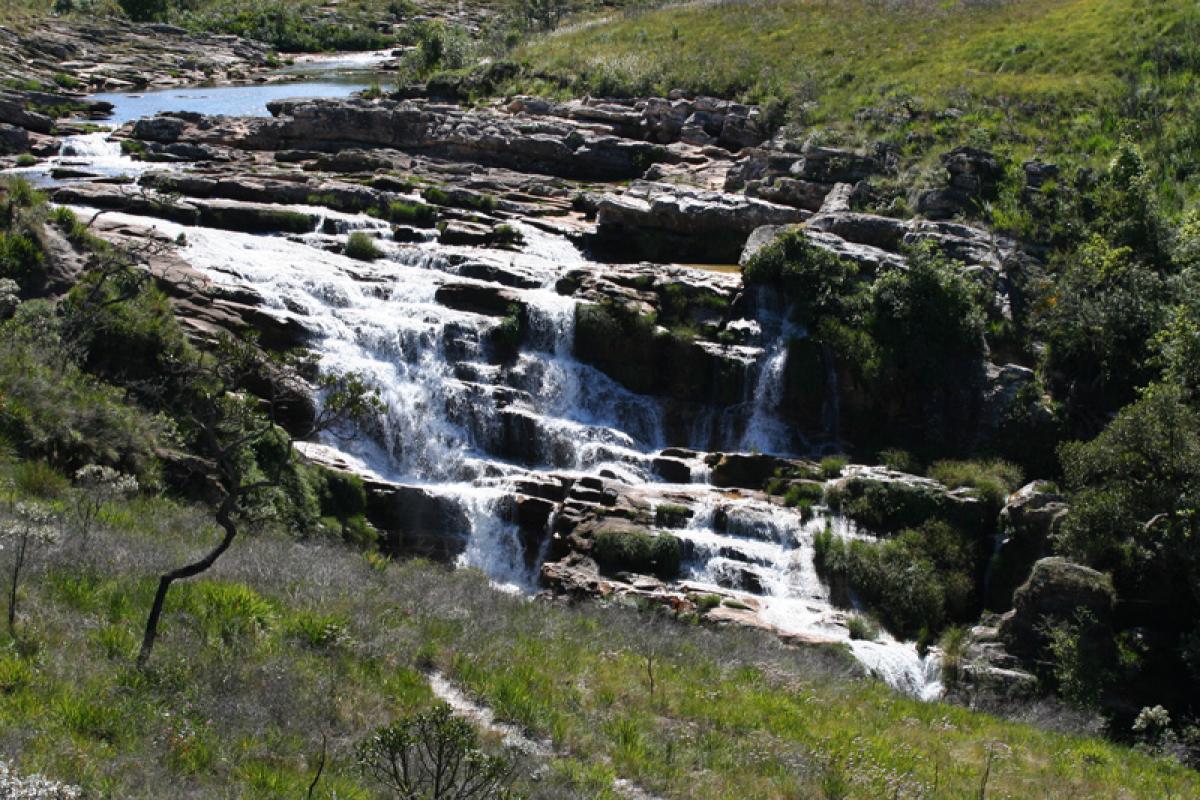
(834, 165)
(479, 298)
(13, 111)
(658, 219)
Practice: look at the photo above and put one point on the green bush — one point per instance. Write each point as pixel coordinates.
(26, 160)
(918, 581)
(40, 480)
(638, 551)
(832, 466)
(992, 480)
(50, 409)
(361, 247)
(886, 506)
(818, 283)
(861, 627)
(21, 260)
(418, 214)
(671, 515)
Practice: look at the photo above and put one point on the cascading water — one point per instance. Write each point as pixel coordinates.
(462, 423)
(765, 431)
(766, 552)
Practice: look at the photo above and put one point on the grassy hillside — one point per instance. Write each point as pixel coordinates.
(1058, 78)
(287, 643)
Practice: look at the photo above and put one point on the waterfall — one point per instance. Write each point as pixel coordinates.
(465, 424)
(765, 432)
(494, 546)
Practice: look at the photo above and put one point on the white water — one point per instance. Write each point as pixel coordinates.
(766, 432)
(463, 425)
(775, 546)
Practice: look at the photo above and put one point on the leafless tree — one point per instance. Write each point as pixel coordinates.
(226, 424)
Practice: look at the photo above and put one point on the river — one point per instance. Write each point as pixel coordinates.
(448, 410)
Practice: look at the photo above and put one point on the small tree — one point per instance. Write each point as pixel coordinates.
(98, 485)
(540, 15)
(434, 755)
(29, 529)
(242, 452)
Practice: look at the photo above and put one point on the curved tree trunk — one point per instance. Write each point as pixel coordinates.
(187, 571)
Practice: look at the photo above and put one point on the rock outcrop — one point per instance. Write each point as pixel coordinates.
(1030, 516)
(1057, 592)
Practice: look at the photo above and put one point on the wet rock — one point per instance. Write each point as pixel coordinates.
(646, 358)
(465, 234)
(416, 521)
(672, 470)
(753, 470)
(479, 298)
(1057, 590)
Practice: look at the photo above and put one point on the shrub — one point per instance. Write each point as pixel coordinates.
(915, 582)
(26, 160)
(421, 215)
(671, 515)
(861, 627)
(361, 247)
(706, 602)
(899, 460)
(886, 506)
(832, 466)
(953, 645)
(992, 480)
(434, 755)
(818, 283)
(638, 551)
(21, 260)
(1097, 320)
(52, 410)
(39, 479)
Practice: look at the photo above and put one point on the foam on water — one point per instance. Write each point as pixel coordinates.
(463, 424)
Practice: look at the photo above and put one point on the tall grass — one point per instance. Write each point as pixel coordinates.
(286, 645)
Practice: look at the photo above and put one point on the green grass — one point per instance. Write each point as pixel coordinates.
(284, 643)
(1056, 78)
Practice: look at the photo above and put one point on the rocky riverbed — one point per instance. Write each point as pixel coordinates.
(570, 402)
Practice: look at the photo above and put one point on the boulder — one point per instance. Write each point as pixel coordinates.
(14, 111)
(753, 470)
(13, 139)
(834, 165)
(479, 298)
(1027, 521)
(416, 521)
(1056, 592)
(665, 223)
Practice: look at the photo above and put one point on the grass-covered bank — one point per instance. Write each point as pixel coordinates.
(1060, 79)
(286, 643)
